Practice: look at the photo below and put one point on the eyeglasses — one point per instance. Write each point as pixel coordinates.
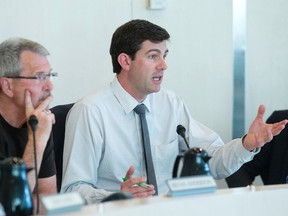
(39, 76)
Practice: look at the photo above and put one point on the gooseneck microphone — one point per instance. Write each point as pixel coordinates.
(181, 131)
(33, 122)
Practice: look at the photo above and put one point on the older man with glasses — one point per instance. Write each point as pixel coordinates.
(25, 90)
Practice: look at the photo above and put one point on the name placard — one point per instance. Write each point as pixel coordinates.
(191, 185)
(60, 203)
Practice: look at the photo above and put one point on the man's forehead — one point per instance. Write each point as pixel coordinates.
(34, 63)
(149, 46)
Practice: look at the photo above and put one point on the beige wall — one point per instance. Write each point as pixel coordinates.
(78, 32)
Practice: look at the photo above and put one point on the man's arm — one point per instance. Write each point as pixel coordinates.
(236, 153)
(46, 186)
(42, 135)
(239, 179)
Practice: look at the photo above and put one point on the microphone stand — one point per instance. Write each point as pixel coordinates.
(33, 122)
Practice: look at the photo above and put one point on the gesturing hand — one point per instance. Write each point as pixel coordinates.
(260, 132)
(130, 185)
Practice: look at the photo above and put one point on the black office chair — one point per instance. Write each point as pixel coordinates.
(58, 131)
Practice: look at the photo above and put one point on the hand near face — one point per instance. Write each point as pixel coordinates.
(130, 185)
(260, 132)
(44, 116)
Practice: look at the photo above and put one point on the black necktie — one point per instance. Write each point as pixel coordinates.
(151, 179)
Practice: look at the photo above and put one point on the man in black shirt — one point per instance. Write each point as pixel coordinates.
(25, 90)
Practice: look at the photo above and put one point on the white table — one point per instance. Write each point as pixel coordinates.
(261, 200)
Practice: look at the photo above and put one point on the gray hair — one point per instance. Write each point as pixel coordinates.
(10, 51)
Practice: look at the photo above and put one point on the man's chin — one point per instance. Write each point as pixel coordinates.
(156, 90)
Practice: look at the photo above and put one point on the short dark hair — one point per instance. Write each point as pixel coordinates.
(129, 37)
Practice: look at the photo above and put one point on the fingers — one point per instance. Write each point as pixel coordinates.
(261, 111)
(29, 107)
(48, 115)
(130, 172)
(278, 127)
(132, 182)
(260, 132)
(44, 104)
(28, 104)
(143, 194)
(131, 186)
(261, 136)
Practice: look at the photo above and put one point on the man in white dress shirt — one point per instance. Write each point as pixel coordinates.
(103, 139)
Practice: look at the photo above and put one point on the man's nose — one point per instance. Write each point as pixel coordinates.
(48, 84)
(162, 65)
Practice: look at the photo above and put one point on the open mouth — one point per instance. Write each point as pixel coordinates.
(158, 78)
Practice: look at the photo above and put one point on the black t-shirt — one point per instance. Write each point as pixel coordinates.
(13, 142)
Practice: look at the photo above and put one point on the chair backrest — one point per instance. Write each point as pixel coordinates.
(58, 132)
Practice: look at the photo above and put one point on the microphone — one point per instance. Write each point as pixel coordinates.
(33, 122)
(118, 196)
(181, 131)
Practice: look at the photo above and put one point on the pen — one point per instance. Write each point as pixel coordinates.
(141, 184)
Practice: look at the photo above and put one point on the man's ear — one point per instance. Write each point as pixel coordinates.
(124, 60)
(6, 86)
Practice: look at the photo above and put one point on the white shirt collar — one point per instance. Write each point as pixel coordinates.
(125, 99)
